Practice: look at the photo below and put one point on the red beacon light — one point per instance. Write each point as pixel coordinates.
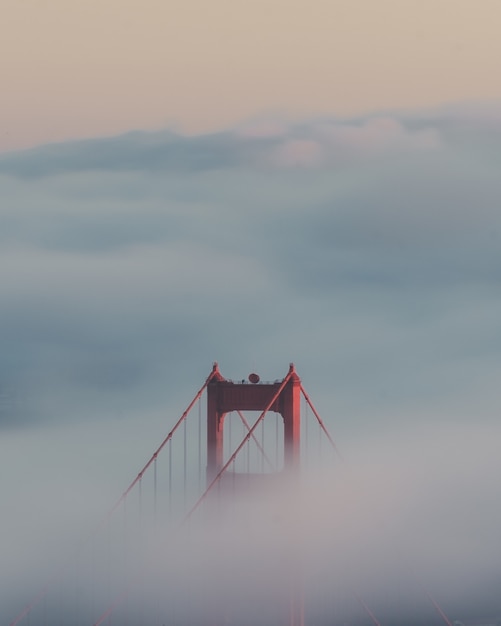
(254, 378)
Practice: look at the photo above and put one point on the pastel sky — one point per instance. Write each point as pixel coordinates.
(92, 67)
(256, 182)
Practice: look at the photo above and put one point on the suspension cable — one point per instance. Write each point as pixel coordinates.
(216, 481)
(43, 592)
(247, 437)
(161, 446)
(367, 609)
(320, 421)
(438, 608)
(247, 426)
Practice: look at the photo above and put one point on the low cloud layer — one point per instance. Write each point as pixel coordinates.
(364, 250)
(408, 525)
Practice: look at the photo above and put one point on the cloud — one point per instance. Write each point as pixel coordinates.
(298, 153)
(134, 151)
(337, 143)
(364, 250)
(140, 244)
(407, 514)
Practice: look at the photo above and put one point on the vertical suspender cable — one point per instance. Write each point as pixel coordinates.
(319, 451)
(276, 441)
(140, 498)
(169, 494)
(76, 598)
(124, 542)
(61, 604)
(155, 489)
(306, 420)
(246, 452)
(230, 447)
(184, 463)
(199, 444)
(262, 446)
(93, 568)
(108, 562)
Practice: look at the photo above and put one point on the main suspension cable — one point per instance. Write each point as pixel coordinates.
(45, 589)
(320, 421)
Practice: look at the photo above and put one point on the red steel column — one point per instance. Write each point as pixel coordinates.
(215, 422)
(291, 413)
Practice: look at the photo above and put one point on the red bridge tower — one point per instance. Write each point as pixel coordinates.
(224, 396)
(282, 397)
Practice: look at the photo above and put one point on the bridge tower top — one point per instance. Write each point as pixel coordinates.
(282, 397)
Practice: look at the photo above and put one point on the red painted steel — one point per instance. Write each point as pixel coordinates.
(260, 447)
(245, 440)
(224, 396)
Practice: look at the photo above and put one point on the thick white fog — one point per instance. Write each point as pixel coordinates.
(409, 513)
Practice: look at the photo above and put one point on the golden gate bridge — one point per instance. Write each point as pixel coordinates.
(187, 541)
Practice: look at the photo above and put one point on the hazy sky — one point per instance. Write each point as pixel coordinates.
(86, 68)
(256, 183)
